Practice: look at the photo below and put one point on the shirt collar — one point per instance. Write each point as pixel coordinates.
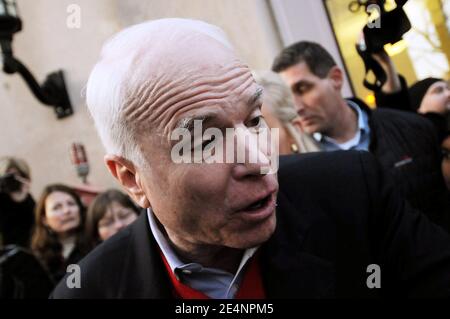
(176, 264)
(363, 125)
(361, 122)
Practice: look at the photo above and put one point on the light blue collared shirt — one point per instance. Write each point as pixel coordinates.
(215, 283)
(360, 141)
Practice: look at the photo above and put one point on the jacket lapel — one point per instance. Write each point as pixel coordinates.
(143, 275)
(287, 270)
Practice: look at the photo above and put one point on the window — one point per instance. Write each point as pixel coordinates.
(424, 52)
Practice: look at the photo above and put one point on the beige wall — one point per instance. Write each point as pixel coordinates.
(307, 20)
(31, 131)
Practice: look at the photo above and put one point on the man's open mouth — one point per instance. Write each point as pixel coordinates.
(259, 210)
(258, 204)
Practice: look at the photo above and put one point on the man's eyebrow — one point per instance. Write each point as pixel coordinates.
(188, 122)
(298, 84)
(255, 97)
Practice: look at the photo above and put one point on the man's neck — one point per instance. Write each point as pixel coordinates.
(211, 256)
(346, 124)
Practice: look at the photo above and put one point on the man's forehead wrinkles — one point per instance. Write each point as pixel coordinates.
(174, 96)
(186, 106)
(139, 102)
(197, 101)
(161, 91)
(249, 81)
(199, 97)
(209, 115)
(159, 83)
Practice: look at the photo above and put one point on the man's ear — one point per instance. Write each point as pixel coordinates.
(337, 77)
(126, 174)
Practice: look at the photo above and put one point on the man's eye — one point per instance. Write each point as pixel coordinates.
(208, 141)
(300, 89)
(256, 122)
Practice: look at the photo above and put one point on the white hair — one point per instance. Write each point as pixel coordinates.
(278, 100)
(277, 95)
(121, 71)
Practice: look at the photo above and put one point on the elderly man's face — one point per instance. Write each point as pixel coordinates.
(224, 204)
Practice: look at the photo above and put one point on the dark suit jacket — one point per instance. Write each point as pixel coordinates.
(336, 215)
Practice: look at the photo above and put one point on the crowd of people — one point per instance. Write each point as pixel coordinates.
(375, 188)
(59, 230)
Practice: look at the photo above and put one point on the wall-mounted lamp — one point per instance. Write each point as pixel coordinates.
(53, 91)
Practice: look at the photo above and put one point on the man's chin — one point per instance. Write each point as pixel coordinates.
(310, 129)
(254, 237)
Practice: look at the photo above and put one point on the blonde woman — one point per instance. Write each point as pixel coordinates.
(279, 111)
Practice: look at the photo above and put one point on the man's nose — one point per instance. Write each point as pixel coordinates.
(299, 104)
(243, 170)
(256, 161)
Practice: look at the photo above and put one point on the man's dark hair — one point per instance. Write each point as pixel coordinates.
(318, 60)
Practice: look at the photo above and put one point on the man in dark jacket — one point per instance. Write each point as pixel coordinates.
(213, 229)
(405, 144)
(327, 237)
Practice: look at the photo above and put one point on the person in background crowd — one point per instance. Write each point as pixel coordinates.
(109, 213)
(16, 203)
(429, 97)
(57, 237)
(446, 161)
(405, 144)
(279, 112)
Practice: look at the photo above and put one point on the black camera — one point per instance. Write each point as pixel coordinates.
(388, 28)
(9, 183)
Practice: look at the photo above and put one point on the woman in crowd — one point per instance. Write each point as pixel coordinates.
(16, 203)
(279, 112)
(110, 212)
(57, 238)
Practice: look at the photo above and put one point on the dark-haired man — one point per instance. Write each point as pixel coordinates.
(405, 144)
